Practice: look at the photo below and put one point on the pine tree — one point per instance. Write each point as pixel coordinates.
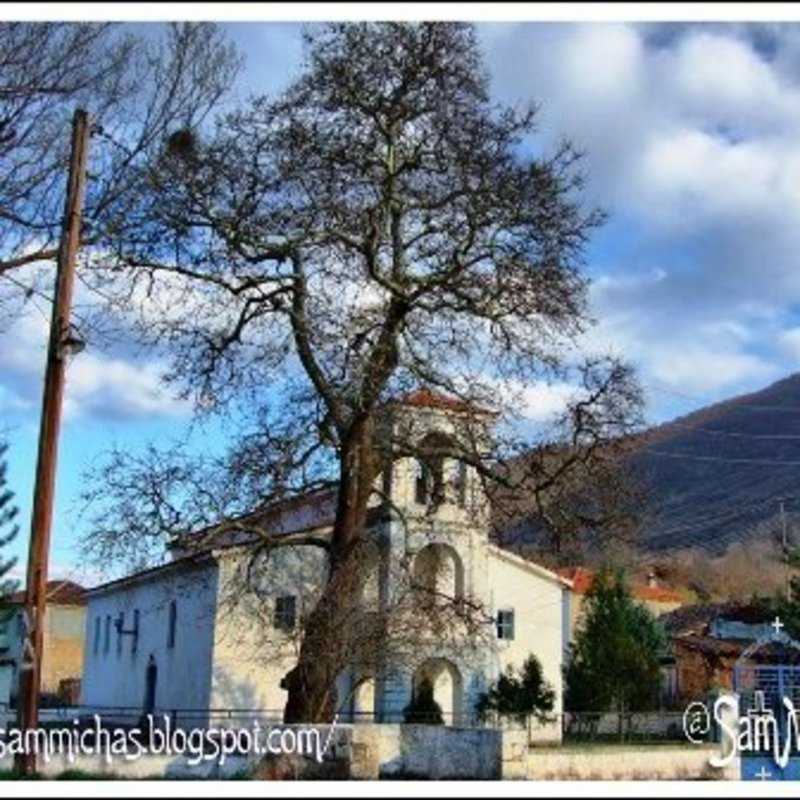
(614, 660)
(8, 529)
(518, 697)
(423, 708)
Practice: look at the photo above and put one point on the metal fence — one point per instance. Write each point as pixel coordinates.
(633, 727)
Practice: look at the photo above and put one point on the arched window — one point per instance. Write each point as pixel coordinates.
(422, 483)
(435, 449)
(439, 573)
(460, 483)
(172, 624)
(285, 616)
(120, 625)
(135, 632)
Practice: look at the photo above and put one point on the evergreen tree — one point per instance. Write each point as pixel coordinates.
(614, 660)
(423, 709)
(518, 697)
(8, 529)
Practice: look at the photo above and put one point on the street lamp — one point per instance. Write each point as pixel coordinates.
(70, 344)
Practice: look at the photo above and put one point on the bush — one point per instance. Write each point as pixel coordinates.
(519, 697)
(423, 709)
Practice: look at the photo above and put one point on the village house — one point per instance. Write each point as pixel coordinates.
(655, 598)
(169, 638)
(62, 661)
(707, 641)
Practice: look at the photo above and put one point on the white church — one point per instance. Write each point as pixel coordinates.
(172, 640)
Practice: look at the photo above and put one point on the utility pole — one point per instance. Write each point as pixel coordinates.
(61, 344)
(784, 540)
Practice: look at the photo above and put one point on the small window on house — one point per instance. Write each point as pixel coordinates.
(422, 483)
(97, 625)
(172, 623)
(285, 613)
(107, 637)
(505, 624)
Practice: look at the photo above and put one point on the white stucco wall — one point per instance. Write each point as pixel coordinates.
(250, 655)
(234, 658)
(117, 677)
(541, 609)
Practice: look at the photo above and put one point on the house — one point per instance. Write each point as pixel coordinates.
(62, 660)
(706, 642)
(657, 599)
(191, 634)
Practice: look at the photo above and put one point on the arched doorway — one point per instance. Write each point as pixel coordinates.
(448, 687)
(150, 682)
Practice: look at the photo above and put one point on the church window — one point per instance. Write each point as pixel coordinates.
(285, 613)
(422, 483)
(107, 637)
(460, 483)
(135, 632)
(505, 624)
(119, 625)
(171, 624)
(97, 624)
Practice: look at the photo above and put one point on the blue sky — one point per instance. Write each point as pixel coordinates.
(691, 140)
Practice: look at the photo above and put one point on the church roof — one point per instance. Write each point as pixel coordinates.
(427, 398)
(530, 566)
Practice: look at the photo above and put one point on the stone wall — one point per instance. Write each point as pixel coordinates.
(358, 752)
(372, 752)
(436, 753)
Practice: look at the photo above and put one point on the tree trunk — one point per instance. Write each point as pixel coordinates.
(326, 648)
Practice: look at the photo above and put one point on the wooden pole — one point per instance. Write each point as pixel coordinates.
(785, 543)
(52, 401)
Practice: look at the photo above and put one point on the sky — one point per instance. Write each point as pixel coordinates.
(691, 141)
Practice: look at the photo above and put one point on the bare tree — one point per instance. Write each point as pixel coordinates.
(138, 89)
(378, 227)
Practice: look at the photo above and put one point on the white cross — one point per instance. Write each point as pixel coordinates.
(759, 706)
(763, 774)
(777, 624)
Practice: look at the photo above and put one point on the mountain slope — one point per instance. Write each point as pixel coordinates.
(716, 473)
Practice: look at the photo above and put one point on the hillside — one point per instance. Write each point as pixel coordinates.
(716, 473)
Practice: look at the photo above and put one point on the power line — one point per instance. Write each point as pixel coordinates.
(734, 434)
(721, 459)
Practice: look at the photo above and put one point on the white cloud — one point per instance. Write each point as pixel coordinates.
(700, 369)
(97, 384)
(789, 344)
(691, 142)
(542, 401)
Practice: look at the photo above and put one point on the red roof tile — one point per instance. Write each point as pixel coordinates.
(426, 398)
(61, 593)
(582, 579)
